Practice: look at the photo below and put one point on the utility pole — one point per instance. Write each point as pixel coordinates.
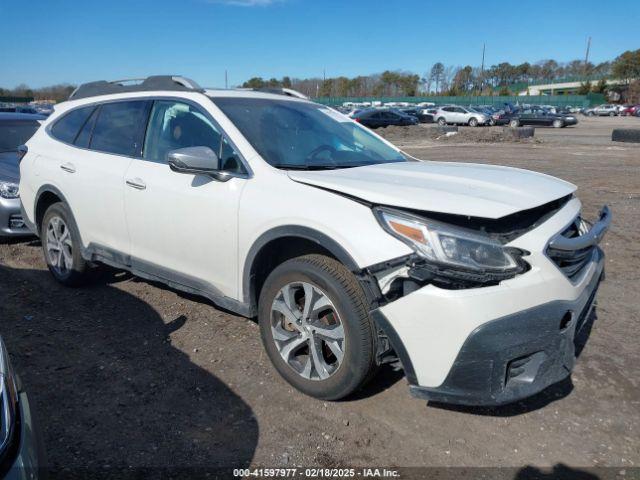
(482, 68)
(226, 79)
(586, 57)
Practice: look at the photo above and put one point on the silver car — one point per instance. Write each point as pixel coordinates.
(454, 114)
(15, 130)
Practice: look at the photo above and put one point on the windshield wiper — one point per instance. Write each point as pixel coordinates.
(285, 166)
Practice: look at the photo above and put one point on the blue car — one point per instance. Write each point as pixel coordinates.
(21, 453)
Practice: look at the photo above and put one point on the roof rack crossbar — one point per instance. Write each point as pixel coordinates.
(156, 82)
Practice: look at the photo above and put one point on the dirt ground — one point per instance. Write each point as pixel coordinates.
(128, 374)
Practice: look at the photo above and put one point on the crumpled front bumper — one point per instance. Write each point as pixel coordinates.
(494, 345)
(517, 356)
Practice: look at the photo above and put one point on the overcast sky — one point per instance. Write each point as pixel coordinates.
(47, 41)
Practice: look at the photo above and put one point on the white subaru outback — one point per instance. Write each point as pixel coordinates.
(476, 279)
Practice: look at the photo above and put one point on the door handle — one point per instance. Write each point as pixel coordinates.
(136, 183)
(68, 167)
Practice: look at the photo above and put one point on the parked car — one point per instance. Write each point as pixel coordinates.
(629, 110)
(350, 253)
(429, 114)
(606, 110)
(21, 451)
(419, 113)
(537, 117)
(376, 118)
(454, 114)
(487, 112)
(15, 130)
(18, 109)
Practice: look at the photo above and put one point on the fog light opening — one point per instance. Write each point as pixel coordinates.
(566, 319)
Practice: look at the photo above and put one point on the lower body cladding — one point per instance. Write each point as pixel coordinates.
(11, 220)
(456, 348)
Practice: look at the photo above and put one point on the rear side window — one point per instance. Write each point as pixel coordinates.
(68, 126)
(84, 137)
(119, 127)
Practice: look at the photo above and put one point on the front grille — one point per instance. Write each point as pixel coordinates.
(571, 262)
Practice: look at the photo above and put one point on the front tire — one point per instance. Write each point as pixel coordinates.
(473, 122)
(558, 124)
(315, 327)
(515, 123)
(61, 246)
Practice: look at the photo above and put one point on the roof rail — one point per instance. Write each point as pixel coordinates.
(155, 82)
(289, 92)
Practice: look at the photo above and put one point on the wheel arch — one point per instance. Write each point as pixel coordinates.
(267, 252)
(48, 195)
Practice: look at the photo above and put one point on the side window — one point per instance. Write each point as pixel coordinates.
(448, 109)
(230, 159)
(118, 128)
(84, 137)
(66, 128)
(174, 125)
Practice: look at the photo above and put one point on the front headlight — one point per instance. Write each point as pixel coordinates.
(9, 190)
(8, 400)
(445, 244)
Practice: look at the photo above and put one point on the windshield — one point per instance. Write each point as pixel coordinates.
(300, 135)
(14, 134)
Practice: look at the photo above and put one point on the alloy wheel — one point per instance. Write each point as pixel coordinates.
(307, 330)
(59, 246)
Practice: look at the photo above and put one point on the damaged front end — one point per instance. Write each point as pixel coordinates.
(450, 252)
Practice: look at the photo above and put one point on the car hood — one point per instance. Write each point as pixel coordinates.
(457, 188)
(9, 166)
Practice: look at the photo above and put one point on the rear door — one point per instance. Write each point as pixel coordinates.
(93, 169)
(449, 114)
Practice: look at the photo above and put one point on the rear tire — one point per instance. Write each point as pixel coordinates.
(315, 327)
(442, 121)
(612, 114)
(515, 123)
(62, 247)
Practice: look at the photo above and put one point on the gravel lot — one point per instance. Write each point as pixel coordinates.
(130, 374)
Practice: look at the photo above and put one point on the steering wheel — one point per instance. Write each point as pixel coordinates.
(322, 148)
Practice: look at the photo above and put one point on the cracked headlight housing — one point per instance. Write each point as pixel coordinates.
(8, 401)
(448, 245)
(9, 190)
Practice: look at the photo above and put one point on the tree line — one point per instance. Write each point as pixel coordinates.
(56, 93)
(440, 79)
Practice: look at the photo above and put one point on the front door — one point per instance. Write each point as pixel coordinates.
(183, 227)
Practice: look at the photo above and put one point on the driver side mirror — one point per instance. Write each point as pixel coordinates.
(197, 161)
